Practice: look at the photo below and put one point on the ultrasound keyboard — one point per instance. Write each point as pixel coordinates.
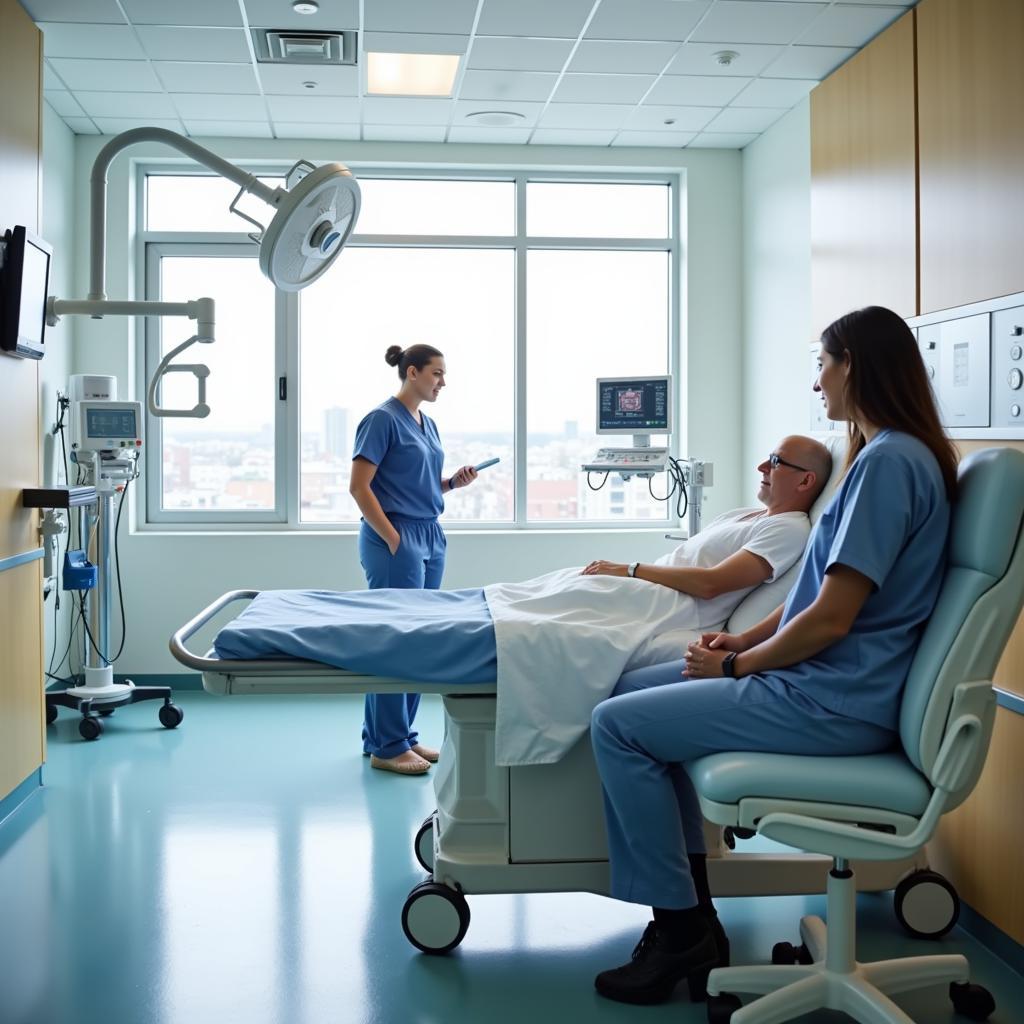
(618, 460)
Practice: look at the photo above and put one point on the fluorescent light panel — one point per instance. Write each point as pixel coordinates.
(411, 74)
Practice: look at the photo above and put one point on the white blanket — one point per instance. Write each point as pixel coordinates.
(563, 640)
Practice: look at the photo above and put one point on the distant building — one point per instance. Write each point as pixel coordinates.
(336, 433)
(572, 430)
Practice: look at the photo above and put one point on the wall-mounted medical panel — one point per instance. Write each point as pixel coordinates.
(1008, 368)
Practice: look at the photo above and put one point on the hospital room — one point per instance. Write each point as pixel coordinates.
(511, 511)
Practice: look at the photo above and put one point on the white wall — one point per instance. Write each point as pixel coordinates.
(776, 284)
(168, 576)
(58, 228)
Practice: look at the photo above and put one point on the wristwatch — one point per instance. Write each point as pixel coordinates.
(632, 568)
(728, 665)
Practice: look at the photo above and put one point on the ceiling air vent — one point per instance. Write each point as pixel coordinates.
(280, 46)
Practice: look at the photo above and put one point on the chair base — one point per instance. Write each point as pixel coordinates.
(835, 980)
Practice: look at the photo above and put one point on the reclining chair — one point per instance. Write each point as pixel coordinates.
(885, 806)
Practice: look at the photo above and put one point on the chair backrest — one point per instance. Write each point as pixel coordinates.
(978, 605)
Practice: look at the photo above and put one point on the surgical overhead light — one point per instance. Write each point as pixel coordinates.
(312, 221)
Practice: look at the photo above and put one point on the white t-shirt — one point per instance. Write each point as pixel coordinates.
(780, 540)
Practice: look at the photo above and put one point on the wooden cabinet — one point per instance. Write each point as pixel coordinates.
(970, 72)
(863, 181)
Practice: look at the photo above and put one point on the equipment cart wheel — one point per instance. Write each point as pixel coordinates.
(171, 716)
(423, 844)
(51, 714)
(435, 917)
(972, 1001)
(722, 1007)
(926, 904)
(90, 728)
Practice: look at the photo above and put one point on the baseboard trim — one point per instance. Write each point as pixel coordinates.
(10, 803)
(175, 680)
(992, 937)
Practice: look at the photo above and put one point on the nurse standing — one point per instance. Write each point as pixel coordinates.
(397, 484)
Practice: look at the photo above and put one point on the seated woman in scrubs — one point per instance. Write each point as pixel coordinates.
(822, 675)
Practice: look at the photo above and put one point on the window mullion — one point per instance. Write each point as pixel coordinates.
(520, 439)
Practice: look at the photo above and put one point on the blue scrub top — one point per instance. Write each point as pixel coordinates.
(408, 458)
(890, 521)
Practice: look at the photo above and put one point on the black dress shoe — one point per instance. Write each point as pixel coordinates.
(656, 967)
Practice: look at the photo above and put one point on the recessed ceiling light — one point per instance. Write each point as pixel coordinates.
(309, 85)
(411, 74)
(725, 57)
(496, 118)
(305, 6)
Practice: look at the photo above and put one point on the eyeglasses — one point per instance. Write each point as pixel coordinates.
(776, 460)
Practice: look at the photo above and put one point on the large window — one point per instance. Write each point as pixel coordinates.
(531, 287)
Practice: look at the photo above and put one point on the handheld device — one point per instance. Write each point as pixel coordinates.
(486, 463)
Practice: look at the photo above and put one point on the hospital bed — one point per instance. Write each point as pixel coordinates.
(540, 828)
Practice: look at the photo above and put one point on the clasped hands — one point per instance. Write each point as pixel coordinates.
(704, 657)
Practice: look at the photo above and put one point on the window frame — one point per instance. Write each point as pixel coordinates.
(152, 245)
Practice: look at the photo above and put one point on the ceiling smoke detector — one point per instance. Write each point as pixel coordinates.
(496, 118)
(725, 57)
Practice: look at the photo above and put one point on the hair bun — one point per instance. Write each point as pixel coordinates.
(393, 356)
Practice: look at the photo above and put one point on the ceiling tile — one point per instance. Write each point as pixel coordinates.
(585, 115)
(684, 119)
(674, 140)
(513, 85)
(848, 25)
(405, 42)
(745, 21)
(699, 59)
(775, 92)
(107, 75)
(116, 125)
(335, 14)
(81, 125)
(217, 45)
(235, 129)
(626, 58)
(50, 78)
(746, 119)
(309, 109)
(447, 16)
(603, 88)
(724, 140)
(562, 20)
(183, 12)
(816, 62)
(206, 107)
(530, 112)
(512, 53)
(192, 76)
(96, 11)
(646, 19)
(126, 104)
(64, 103)
(696, 90)
(287, 80)
(116, 42)
(567, 137)
(405, 110)
(298, 130)
(501, 136)
(404, 132)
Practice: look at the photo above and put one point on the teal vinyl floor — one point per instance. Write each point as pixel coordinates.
(250, 868)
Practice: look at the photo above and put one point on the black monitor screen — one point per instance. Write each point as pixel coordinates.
(23, 287)
(110, 423)
(638, 406)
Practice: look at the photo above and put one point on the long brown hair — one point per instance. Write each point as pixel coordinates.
(888, 384)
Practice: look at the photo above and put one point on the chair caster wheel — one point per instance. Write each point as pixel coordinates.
(722, 1007)
(171, 716)
(90, 728)
(972, 1001)
(785, 953)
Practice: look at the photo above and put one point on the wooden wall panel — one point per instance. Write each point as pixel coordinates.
(971, 140)
(863, 181)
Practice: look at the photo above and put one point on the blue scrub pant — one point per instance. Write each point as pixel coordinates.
(653, 723)
(418, 564)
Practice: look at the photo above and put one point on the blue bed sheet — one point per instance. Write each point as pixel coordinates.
(430, 636)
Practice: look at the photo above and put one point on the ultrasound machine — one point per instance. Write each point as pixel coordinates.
(637, 406)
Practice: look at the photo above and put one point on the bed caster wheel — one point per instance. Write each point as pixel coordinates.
(171, 716)
(722, 1007)
(972, 1001)
(423, 844)
(785, 953)
(926, 904)
(435, 917)
(90, 728)
(51, 714)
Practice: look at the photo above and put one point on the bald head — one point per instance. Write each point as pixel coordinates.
(804, 466)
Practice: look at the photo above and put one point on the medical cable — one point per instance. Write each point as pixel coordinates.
(677, 486)
(117, 564)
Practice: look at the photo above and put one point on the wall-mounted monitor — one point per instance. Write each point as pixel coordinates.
(24, 282)
(634, 405)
